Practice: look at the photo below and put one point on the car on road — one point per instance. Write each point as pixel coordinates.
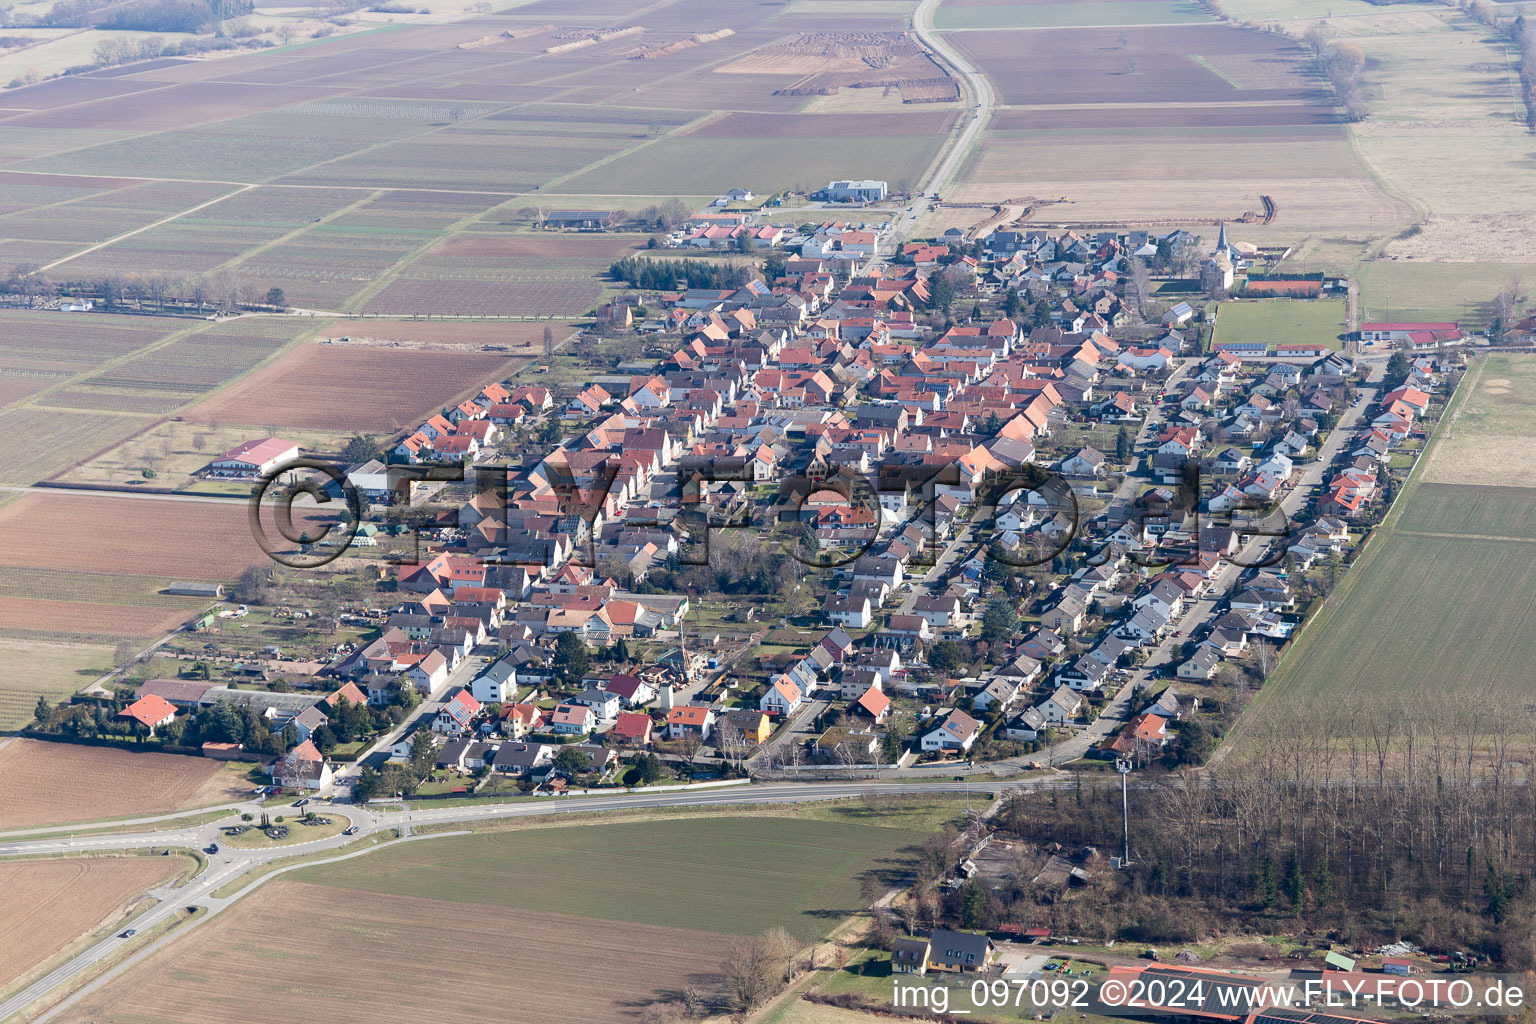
(350, 832)
(1178, 632)
(301, 801)
(130, 933)
(212, 848)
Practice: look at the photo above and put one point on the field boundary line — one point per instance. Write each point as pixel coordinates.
(147, 227)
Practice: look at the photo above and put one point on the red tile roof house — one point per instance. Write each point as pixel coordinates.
(152, 712)
(457, 715)
(254, 458)
(690, 718)
(632, 729)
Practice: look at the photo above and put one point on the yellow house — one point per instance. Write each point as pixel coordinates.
(755, 726)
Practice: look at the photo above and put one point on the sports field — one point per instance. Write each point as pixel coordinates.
(1442, 600)
(1281, 321)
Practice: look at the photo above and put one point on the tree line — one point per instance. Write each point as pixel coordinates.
(1343, 64)
(223, 291)
(669, 275)
(1375, 819)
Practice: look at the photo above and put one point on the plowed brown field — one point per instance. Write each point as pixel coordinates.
(50, 903)
(56, 783)
(352, 388)
(341, 952)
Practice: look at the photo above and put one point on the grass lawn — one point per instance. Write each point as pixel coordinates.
(742, 875)
(298, 832)
(1464, 292)
(1281, 321)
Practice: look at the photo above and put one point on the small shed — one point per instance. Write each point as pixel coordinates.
(1338, 962)
(1397, 965)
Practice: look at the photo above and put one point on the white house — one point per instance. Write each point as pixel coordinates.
(783, 698)
(955, 731)
(497, 684)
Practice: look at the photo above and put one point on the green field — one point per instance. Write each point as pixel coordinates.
(1107, 14)
(1391, 290)
(738, 875)
(29, 669)
(1281, 321)
(1441, 600)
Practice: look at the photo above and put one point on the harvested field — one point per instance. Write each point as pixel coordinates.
(166, 540)
(433, 297)
(1490, 436)
(341, 951)
(33, 617)
(1161, 116)
(60, 783)
(1133, 175)
(351, 388)
(35, 444)
(33, 668)
(1171, 65)
(53, 902)
(961, 15)
(832, 126)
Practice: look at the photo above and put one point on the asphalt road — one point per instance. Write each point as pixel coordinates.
(229, 864)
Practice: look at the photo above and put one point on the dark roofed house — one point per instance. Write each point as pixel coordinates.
(909, 955)
(184, 693)
(958, 951)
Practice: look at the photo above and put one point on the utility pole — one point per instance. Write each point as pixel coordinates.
(1123, 766)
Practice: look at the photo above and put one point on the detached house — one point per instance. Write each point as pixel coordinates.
(955, 731)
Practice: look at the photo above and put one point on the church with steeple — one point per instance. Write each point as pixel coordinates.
(1217, 272)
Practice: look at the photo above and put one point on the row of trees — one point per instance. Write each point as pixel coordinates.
(1381, 818)
(667, 275)
(223, 292)
(1343, 64)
